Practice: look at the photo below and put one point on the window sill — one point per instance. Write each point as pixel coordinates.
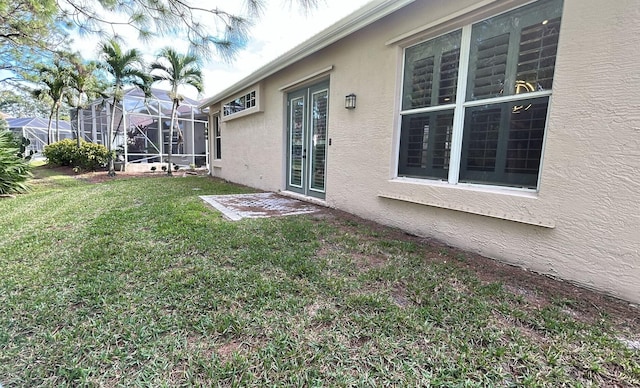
(504, 190)
(242, 113)
(216, 163)
(437, 194)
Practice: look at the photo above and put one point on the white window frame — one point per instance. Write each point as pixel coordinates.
(459, 108)
(247, 102)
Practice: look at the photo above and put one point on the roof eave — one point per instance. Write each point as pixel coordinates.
(361, 18)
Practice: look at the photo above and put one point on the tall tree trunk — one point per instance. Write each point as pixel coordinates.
(57, 124)
(49, 137)
(112, 169)
(78, 110)
(173, 118)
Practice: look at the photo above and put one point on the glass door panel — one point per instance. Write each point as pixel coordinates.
(296, 142)
(318, 140)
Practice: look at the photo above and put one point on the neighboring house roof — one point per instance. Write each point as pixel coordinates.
(361, 18)
(37, 122)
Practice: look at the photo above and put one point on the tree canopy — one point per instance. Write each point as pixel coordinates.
(34, 33)
(21, 103)
(32, 29)
(29, 33)
(208, 28)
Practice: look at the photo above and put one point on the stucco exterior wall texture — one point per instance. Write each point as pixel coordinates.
(584, 223)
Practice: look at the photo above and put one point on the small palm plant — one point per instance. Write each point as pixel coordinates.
(14, 170)
(179, 70)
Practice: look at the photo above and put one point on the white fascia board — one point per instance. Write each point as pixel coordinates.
(361, 18)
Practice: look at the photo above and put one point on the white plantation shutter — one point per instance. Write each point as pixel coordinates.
(537, 54)
(491, 65)
(449, 65)
(422, 83)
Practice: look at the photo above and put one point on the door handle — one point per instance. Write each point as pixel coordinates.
(304, 153)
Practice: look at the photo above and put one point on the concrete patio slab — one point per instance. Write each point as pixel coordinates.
(258, 205)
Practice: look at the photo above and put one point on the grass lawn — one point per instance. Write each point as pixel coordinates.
(136, 282)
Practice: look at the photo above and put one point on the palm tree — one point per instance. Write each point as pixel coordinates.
(125, 68)
(56, 79)
(179, 70)
(83, 82)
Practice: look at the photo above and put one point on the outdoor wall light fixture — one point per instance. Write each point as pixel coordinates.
(350, 101)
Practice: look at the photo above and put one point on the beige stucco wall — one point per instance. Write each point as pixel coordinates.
(584, 223)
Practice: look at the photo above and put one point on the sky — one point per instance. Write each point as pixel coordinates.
(282, 27)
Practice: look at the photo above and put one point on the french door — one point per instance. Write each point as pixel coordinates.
(307, 111)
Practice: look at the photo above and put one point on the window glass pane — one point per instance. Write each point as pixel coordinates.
(526, 134)
(218, 137)
(218, 148)
(515, 52)
(481, 138)
(490, 67)
(296, 142)
(421, 84)
(537, 56)
(431, 72)
(502, 143)
(425, 144)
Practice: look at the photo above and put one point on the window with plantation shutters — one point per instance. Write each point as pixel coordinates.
(431, 78)
(431, 72)
(488, 128)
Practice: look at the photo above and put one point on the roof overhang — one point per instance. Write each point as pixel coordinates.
(361, 18)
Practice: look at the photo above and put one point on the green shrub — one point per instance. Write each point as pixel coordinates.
(14, 170)
(89, 156)
(92, 156)
(62, 153)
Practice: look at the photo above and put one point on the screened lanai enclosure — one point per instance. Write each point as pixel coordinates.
(38, 132)
(141, 130)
